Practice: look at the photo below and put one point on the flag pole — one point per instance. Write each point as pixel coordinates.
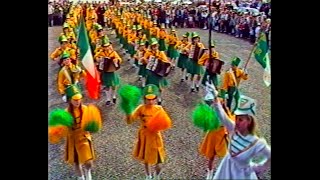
(252, 50)
(209, 24)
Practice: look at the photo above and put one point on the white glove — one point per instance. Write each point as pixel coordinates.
(64, 98)
(258, 168)
(212, 89)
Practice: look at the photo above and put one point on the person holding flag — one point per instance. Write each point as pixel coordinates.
(231, 81)
(68, 75)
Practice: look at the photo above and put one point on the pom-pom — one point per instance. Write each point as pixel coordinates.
(130, 97)
(205, 117)
(60, 117)
(56, 133)
(92, 121)
(161, 121)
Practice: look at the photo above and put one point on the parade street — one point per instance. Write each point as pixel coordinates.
(114, 143)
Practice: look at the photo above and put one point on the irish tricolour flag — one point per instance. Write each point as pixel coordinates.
(92, 80)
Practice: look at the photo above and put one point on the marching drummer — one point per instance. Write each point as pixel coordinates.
(152, 55)
(109, 63)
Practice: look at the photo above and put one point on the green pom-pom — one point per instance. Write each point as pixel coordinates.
(130, 97)
(205, 117)
(92, 127)
(60, 117)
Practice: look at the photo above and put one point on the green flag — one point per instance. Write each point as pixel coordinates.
(262, 56)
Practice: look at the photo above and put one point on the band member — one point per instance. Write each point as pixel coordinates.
(79, 148)
(152, 56)
(183, 58)
(141, 62)
(132, 37)
(109, 63)
(211, 75)
(64, 47)
(245, 145)
(231, 81)
(68, 75)
(172, 51)
(162, 38)
(150, 148)
(195, 50)
(67, 31)
(154, 31)
(215, 142)
(141, 37)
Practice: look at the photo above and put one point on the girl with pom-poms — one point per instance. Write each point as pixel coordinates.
(244, 145)
(75, 123)
(149, 148)
(215, 142)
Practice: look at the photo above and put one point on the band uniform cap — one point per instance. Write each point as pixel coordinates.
(154, 41)
(106, 42)
(186, 35)
(151, 91)
(194, 35)
(63, 38)
(246, 106)
(212, 43)
(173, 29)
(65, 55)
(65, 25)
(236, 61)
(142, 43)
(73, 92)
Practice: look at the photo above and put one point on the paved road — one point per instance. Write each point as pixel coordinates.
(115, 142)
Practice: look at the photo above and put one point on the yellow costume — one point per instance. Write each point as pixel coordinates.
(149, 147)
(69, 75)
(215, 143)
(79, 146)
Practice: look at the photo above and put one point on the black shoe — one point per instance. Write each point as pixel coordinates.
(114, 100)
(108, 103)
(193, 90)
(186, 77)
(197, 89)
(159, 102)
(182, 80)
